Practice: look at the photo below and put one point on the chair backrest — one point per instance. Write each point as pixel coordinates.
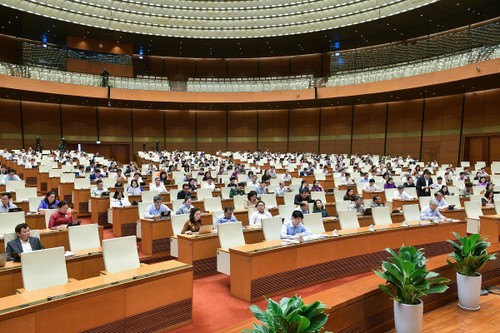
(411, 191)
(84, 237)
(239, 202)
(225, 192)
(147, 196)
(23, 194)
(173, 193)
(342, 205)
(44, 268)
(203, 193)
(212, 204)
(178, 222)
(475, 197)
(142, 206)
(34, 202)
(319, 195)
(269, 200)
(67, 177)
(215, 216)
(82, 183)
(9, 221)
(473, 209)
(389, 193)
(271, 227)
(348, 219)
(48, 213)
(314, 222)
(424, 201)
(108, 182)
(285, 211)
(231, 235)
(497, 207)
(7, 237)
(339, 194)
(453, 200)
(176, 204)
(120, 254)
(13, 185)
(381, 216)
(289, 198)
(411, 212)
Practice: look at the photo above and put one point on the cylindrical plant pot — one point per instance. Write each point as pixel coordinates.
(408, 317)
(469, 291)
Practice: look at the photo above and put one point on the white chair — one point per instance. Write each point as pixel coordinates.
(203, 193)
(230, 235)
(215, 216)
(67, 177)
(319, 195)
(7, 237)
(176, 204)
(34, 202)
(239, 202)
(473, 211)
(82, 183)
(84, 237)
(453, 200)
(339, 195)
(9, 221)
(348, 219)
(342, 205)
(381, 216)
(12, 186)
(411, 212)
(225, 192)
(424, 201)
(48, 213)
(23, 194)
(289, 198)
(497, 207)
(285, 211)
(475, 197)
(44, 268)
(178, 222)
(269, 200)
(120, 254)
(147, 196)
(142, 206)
(314, 222)
(212, 204)
(271, 227)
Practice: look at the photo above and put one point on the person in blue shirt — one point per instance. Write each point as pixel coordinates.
(11, 176)
(50, 202)
(294, 227)
(96, 175)
(154, 211)
(431, 212)
(227, 217)
(186, 207)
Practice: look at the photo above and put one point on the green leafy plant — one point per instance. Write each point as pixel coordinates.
(290, 315)
(470, 254)
(407, 276)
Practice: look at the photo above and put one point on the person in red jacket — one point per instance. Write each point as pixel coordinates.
(62, 218)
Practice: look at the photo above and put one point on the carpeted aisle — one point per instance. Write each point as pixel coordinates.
(214, 308)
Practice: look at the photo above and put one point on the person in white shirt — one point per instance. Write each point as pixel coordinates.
(98, 190)
(281, 189)
(158, 186)
(431, 212)
(120, 177)
(119, 200)
(347, 180)
(439, 184)
(286, 177)
(261, 213)
(400, 194)
(442, 204)
(371, 187)
(208, 184)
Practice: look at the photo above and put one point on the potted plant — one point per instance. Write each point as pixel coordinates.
(407, 281)
(290, 315)
(469, 256)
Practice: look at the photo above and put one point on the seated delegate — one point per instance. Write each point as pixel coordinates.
(294, 227)
(194, 222)
(6, 203)
(226, 217)
(119, 200)
(62, 218)
(155, 210)
(50, 202)
(23, 243)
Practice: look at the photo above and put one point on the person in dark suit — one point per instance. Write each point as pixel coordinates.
(23, 243)
(424, 183)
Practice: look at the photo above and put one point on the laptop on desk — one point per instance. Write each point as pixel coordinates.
(205, 229)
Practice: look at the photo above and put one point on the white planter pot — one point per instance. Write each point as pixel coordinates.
(408, 318)
(469, 291)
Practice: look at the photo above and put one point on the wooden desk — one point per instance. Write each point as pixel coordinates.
(65, 191)
(269, 268)
(43, 181)
(398, 204)
(36, 221)
(125, 220)
(135, 300)
(30, 176)
(81, 199)
(345, 187)
(201, 250)
(53, 183)
(24, 205)
(99, 213)
(490, 227)
(370, 195)
(156, 236)
(83, 265)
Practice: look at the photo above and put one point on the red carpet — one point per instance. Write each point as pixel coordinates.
(214, 308)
